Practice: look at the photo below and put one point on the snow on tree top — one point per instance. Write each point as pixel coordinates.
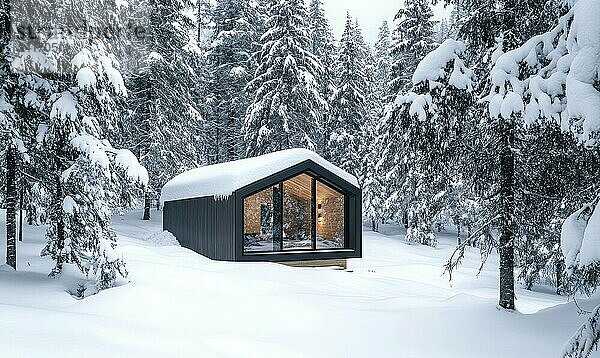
(225, 178)
(432, 66)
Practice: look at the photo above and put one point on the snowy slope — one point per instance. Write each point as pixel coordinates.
(392, 303)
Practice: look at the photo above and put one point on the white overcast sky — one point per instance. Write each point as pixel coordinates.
(370, 14)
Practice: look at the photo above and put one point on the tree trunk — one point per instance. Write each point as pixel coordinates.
(11, 208)
(21, 215)
(147, 204)
(560, 267)
(507, 208)
(60, 155)
(458, 233)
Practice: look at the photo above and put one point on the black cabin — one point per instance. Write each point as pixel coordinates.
(290, 205)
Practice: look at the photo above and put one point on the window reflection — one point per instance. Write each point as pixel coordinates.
(300, 213)
(330, 217)
(258, 221)
(297, 223)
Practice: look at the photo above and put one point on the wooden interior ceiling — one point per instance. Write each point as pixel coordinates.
(301, 186)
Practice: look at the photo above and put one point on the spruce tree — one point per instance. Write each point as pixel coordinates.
(412, 39)
(323, 46)
(168, 130)
(237, 26)
(348, 105)
(287, 106)
(422, 141)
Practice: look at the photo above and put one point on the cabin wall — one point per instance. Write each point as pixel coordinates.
(204, 225)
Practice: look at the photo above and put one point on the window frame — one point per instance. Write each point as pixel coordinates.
(313, 217)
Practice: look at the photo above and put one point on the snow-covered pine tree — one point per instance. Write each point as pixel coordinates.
(76, 93)
(85, 171)
(8, 133)
(348, 105)
(487, 30)
(366, 56)
(422, 139)
(553, 77)
(168, 130)
(412, 38)
(442, 30)
(237, 27)
(373, 182)
(323, 46)
(287, 106)
(383, 65)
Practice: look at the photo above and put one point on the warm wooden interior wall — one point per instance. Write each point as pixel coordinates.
(252, 210)
(332, 223)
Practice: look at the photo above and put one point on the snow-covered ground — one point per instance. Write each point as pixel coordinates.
(394, 302)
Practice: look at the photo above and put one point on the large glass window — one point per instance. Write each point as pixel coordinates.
(259, 219)
(330, 217)
(300, 213)
(297, 221)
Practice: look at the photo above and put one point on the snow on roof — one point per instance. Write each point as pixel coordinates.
(224, 178)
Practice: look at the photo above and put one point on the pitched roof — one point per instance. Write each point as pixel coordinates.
(225, 178)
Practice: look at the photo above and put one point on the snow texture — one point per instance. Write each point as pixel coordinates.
(382, 306)
(223, 179)
(128, 161)
(572, 233)
(86, 78)
(162, 238)
(64, 107)
(590, 246)
(566, 66)
(431, 68)
(69, 205)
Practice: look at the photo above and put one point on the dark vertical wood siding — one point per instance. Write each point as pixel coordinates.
(205, 225)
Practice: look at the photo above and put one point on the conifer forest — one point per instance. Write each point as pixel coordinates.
(474, 136)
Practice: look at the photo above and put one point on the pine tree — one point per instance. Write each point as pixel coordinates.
(287, 106)
(383, 65)
(422, 140)
(412, 39)
(235, 37)
(83, 169)
(168, 130)
(10, 137)
(322, 45)
(348, 106)
(443, 30)
(490, 30)
(77, 100)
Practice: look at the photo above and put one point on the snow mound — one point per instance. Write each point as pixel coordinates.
(223, 179)
(431, 68)
(64, 107)
(564, 69)
(162, 238)
(128, 161)
(579, 237)
(571, 236)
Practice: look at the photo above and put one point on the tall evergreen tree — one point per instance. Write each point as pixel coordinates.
(287, 107)
(412, 39)
(322, 45)
(166, 123)
(237, 27)
(76, 98)
(348, 106)
(422, 140)
(383, 64)
(8, 133)
(489, 30)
